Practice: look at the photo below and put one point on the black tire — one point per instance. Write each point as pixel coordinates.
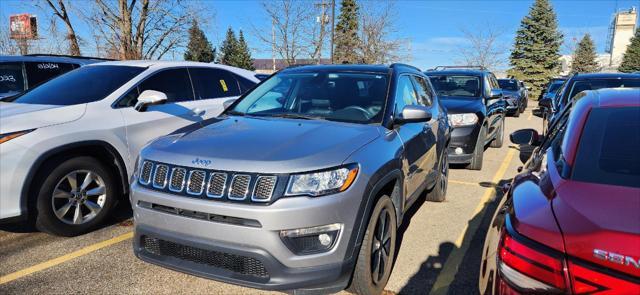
(478, 152)
(499, 140)
(439, 191)
(516, 113)
(57, 174)
(362, 281)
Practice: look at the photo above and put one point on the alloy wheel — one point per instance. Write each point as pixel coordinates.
(79, 197)
(381, 247)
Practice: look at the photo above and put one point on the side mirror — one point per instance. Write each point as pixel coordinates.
(228, 103)
(413, 114)
(525, 137)
(538, 113)
(545, 102)
(149, 97)
(495, 94)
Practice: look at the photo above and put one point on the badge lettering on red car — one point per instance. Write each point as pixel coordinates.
(616, 258)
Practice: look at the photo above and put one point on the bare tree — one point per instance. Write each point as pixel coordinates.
(60, 10)
(290, 20)
(142, 29)
(8, 46)
(378, 31)
(320, 31)
(483, 47)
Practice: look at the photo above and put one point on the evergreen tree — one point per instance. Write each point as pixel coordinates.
(199, 48)
(229, 49)
(631, 60)
(347, 40)
(244, 54)
(536, 52)
(584, 59)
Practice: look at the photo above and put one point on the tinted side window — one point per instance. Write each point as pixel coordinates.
(11, 77)
(213, 83)
(405, 94)
(40, 72)
(424, 92)
(608, 148)
(174, 83)
(245, 84)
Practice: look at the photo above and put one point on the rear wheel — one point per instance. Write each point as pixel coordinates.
(377, 252)
(478, 152)
(439, 191)
(499, 140)
(75, 196)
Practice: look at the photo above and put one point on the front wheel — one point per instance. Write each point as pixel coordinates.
(478, 152)
(377, 253)
(499, 140)
(76, 195)
(439, 191)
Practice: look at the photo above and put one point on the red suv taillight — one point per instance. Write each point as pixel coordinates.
(586, 280)
(529, 269)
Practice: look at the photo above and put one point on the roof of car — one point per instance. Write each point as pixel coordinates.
(457, 72)
(604, 76)
(344, 67)
(167, 64)
(617, 97)
(50, 58)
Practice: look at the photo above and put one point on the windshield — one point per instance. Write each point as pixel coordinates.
(553, 88)
(508, 84)
(337, 96)
(594, 84)
(86, 84)
(11, 80)
(455, 85)
(608, 151)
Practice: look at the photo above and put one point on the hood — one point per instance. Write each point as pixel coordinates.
(512, 93)
(23, 116)
(268, 145)
(459, 105)
(600, 217)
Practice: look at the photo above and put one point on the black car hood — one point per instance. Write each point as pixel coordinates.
(458, 105)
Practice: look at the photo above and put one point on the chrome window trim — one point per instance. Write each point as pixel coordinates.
(273, 188)
(246, 193)
(189, 183)
(183, 179)
(224, 186)
(155, 172)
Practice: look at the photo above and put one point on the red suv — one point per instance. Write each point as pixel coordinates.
(570, 221)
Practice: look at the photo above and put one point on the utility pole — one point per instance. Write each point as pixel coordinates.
(322, 20)
(273, 44)
(333, 26)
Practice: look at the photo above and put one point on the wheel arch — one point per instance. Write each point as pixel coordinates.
(102, 150)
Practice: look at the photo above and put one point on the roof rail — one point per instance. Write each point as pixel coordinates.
(69, 56)
(393, 65)
(441, 68)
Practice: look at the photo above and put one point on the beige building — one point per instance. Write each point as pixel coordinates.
(622, 29)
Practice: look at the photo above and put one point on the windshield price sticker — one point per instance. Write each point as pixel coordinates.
(7, 78)
(48, 66)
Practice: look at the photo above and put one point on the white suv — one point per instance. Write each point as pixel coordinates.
(69, 146)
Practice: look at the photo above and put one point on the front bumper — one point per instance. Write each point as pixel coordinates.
(16, 160)
(462, 144)
(250, 243)
(513, 104)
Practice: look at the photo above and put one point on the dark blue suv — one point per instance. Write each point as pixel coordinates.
(476, 109)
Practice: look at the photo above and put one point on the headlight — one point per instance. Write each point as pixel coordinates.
(462, 119)
(322, 182)
(11, 135)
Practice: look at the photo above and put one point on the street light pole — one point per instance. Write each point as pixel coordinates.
(333, 27)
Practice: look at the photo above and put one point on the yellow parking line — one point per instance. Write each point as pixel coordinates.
(450, 267)
(64, 258)
(462, 182)
(530, 116)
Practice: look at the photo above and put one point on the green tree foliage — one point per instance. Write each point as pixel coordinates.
(347, 40)
(631, 60)
(584, 58)
(244, 54)
(229, 49)
(199, 48)
(535, 54)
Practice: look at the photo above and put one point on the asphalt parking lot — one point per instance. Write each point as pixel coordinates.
(440, 250)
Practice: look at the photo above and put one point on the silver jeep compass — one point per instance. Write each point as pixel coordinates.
(300, 184)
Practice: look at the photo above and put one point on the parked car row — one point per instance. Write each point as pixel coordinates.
(569, 221)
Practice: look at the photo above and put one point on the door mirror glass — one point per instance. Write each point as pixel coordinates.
(150, 97)
(495, 94)
(413, 114)
(525, 137)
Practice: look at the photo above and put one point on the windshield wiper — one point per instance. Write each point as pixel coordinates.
(235, 113)
(296, 116)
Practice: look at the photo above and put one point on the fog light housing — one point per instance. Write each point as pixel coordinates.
(305, 241)
(458, 151)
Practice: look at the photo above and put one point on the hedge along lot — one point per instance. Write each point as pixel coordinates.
(439, 251)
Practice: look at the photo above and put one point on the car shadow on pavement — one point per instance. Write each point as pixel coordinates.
(465, 279)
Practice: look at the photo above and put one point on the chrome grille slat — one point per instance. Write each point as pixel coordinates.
(263, 189)
(177, 179)
(160, 176)
(239, 188)
(195, 184)
(146, 170)
(217, 185)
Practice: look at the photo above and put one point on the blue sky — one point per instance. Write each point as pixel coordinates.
(432, 27)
